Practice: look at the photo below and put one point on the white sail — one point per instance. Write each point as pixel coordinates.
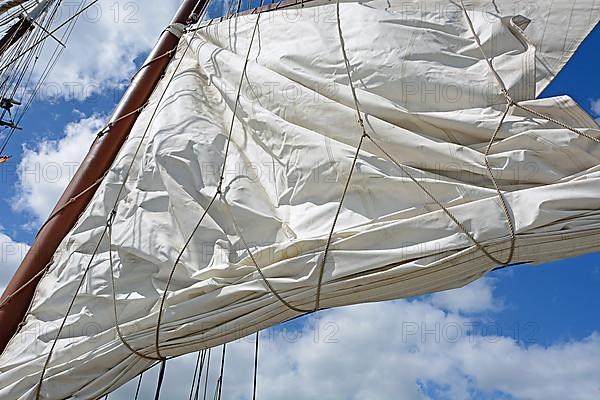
(421, 212)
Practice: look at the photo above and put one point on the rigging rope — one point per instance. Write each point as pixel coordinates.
(49, 34)
(195, 374)
(9, 4)
(219, 387)
(46, 19)
(206, 377)
(354, 160)
(71, 201)
(22, 287)
(196, 384)
(255, 367)
(161, 377)
(137, 389)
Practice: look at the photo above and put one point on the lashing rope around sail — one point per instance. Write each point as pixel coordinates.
(406, 171)
(509, 100)
(114, 302)
(9, 298)
(111, 124)
(152, 61)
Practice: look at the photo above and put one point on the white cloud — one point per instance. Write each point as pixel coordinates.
(474, 298)
(45, 170)
(11, 254)
(105, 42)
(595, 104)
(395, 350)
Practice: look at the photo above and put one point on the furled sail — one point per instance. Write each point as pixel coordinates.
(300, 160)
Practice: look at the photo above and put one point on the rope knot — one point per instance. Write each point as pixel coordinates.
(508, 97)
(111, 218)
(104, 131)
(220, 185)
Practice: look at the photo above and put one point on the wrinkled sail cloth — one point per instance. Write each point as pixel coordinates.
(428, 98)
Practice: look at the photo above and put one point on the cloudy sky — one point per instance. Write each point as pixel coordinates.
(525, 333)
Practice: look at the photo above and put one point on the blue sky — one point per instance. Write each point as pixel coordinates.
(543, 308)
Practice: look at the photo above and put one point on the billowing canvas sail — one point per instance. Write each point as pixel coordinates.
(263, 109)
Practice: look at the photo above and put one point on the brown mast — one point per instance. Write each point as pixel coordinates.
(78, 194)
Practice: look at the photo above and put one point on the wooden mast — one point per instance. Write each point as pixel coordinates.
(78, 194)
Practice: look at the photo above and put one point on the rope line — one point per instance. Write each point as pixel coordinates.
(557, 122)
(71, 201)
(9, 298)
(161, 378)
(201, 368)
(354, 160)
(49, 34)
(258, 268)
(404, 169)
(164, 295)
(219, 388)
(113, 292)
(503, 202)
(195, 374)
(436, 201)
(137, 389)
(255, 366)
(64, 320)
(206, 377)
(499, 80)
(237, 100)
(152, 61)
(111, 124)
